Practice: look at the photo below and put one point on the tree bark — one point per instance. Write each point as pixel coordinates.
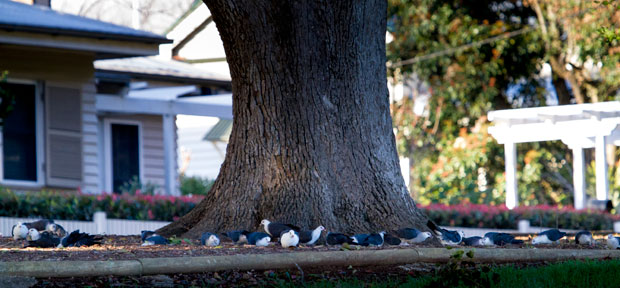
(312, 141)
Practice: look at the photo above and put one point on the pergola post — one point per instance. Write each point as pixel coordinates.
(510, 155)
(579, 178)
(169, 154)
(601, 169)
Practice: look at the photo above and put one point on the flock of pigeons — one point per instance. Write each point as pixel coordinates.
(47, 234)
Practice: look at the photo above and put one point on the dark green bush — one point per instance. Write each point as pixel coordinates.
(195, 185)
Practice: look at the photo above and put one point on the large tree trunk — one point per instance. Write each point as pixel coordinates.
(312, 141)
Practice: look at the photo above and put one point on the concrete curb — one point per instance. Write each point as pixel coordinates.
(153, 266)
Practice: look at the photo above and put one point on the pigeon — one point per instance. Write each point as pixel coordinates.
(209, 239)
(448, 237)
(154, 239)
(258, 239)
(374, 239)
(43, 239)
(238, 236)
(477, 241)
(57, 230)
(413, 235)
(309, 237)
(359, 239)
(584, 237)
(146, 234)
(275, 229)
(289, 238)
(77, 239)
(391, 239)
(548, 237)
(502, 239)
(20, 231)
(613, 242)
(337, 239)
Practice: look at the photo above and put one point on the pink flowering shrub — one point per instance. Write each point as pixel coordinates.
(500, 217)
(78, 206)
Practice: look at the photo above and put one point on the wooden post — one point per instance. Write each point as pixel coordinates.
(170, 172)
(601, 169)
(579, 179)
(510, 154)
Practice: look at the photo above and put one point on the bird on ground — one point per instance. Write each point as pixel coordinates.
(21, 230)
(258, 239)
(309, 237)
(613, 242)
(390, 239)
(334, 238)
(584, 238)
(42, 239)
(209, 239)
(374, 239)
(154, 239)
(413, 235)
(238, 237)
(57, 230)
(477, 241)
(447, 237)
(146, 234)
(359, 239)
(289, 238)
(501, 239)
(275, 229)
(77, 239)
(548, 237)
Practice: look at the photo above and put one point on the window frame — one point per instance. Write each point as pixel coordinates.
(39, 138)
(107, 139)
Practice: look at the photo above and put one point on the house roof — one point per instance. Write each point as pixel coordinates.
(220, 132)
(38, 19)
(159, 69)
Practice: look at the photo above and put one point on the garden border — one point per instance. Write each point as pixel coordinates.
(291, 260)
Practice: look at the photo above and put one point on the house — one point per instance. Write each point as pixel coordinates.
(77, 126)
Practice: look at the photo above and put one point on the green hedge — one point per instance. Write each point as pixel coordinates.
(76, 206)
(500, 217)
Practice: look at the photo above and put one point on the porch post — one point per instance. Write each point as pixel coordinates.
(510, 154)
(579, 179)
(601, 169)
(170, 172)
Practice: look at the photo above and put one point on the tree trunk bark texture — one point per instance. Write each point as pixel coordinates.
(312, 141)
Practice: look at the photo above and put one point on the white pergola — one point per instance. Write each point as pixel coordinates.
(579, 126)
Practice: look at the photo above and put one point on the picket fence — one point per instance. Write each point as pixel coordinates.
(100, 225)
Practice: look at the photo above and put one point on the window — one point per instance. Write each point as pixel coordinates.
(21, 144)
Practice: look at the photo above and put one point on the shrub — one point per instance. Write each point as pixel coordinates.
(500, 217)
(77, 206)
(195, 185)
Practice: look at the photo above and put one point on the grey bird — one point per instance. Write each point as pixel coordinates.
(584, 238)
(258, 239)
(477, 241)
(309, 237)
(548, 237)
(238, 237)
(613, 242)
(335, 238)
(413, 235)
(209, 239)
(447, 237)
(502, 239)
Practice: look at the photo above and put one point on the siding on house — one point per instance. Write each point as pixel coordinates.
(90, 141)
(205, 159)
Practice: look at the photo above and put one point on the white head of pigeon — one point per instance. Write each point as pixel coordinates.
(289, 239)
(264, 242)
(33, 235)
(486, 241)
(20, 231)
(316, 233)
(213, 240)
(541, 239)
(613, 242)
(422, 236)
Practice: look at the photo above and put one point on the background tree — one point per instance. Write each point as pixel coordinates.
(312, 139)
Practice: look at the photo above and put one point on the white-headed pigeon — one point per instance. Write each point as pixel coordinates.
(334, 238)
(477, 241)
(502, 239)
(548, 237)
(447, 237)
(21, 230)
(146, 234)
(613, 242)
(309, 237)
(413, 235)
(155, 239)
(77, 239)
(238, 237)
(43, 239)
(57, 230)
(275, 229)
(584, 238)
(258, 239)
(289, 238)
(359, 239)
(209, 239)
